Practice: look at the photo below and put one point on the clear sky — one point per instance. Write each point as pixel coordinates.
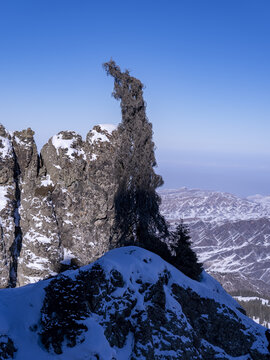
(205, 65)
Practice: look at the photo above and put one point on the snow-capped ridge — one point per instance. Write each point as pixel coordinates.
(108, 127)
(68, 144)
(137, 306)
(101, 133)
(209, 206)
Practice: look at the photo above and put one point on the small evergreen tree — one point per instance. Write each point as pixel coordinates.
(184, 258)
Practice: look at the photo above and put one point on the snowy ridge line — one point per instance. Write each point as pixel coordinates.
(211, 206)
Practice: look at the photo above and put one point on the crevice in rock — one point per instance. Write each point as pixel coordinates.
(16, 246)
(50, 198)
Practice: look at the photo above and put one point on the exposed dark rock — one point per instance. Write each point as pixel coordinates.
(63, 307)
(7, 348)
(219, 326)
(267, 334)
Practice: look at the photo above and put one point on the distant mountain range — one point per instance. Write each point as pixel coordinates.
(212, 206)
(230, 235)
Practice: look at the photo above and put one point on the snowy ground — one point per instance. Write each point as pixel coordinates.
(20, 308)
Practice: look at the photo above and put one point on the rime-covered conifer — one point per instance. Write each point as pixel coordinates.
(138, 220)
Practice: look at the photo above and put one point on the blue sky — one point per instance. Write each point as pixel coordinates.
(205, 65)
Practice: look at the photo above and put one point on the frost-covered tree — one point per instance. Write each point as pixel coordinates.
(138, 220)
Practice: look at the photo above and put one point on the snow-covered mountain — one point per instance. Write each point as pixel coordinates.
(212, 206)
(230, 235)
(260, 199)
(130, 304)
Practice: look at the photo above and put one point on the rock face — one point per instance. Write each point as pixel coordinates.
(130, 304)
(56, 208)
(8, 204)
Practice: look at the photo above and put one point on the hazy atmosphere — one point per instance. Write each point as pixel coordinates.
(205, 65)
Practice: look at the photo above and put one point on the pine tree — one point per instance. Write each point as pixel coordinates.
(138, 220)
(184, 258)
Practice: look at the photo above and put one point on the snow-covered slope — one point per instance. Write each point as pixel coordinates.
(260, 199)
(130, 304)
(231, 235)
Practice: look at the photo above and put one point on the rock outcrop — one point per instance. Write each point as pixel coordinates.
(130, 304)
(56, 207)
(8, 205)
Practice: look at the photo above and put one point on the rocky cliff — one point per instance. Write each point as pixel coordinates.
(130, 304)
(56, 207)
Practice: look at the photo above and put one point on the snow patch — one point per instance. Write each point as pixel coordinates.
(96, 136)
(47, 181)
(67, 144)
(3, 198)
(108, 127)
(93, 157)
(253, 298)
(67, 257)
(6, 149)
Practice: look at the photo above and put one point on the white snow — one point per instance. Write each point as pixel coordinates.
(67, 144)
(67, 256)
(3, 198)
(252, 298)
(96, 136)
(260, 199)
(47, 181)
(20, 308)
(68, 222)
(108, 127)
(6, 150)
(93, 157)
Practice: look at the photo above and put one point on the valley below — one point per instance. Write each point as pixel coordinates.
(231, 236)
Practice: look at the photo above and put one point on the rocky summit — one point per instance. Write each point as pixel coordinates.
(129, 304)
(56, 207)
